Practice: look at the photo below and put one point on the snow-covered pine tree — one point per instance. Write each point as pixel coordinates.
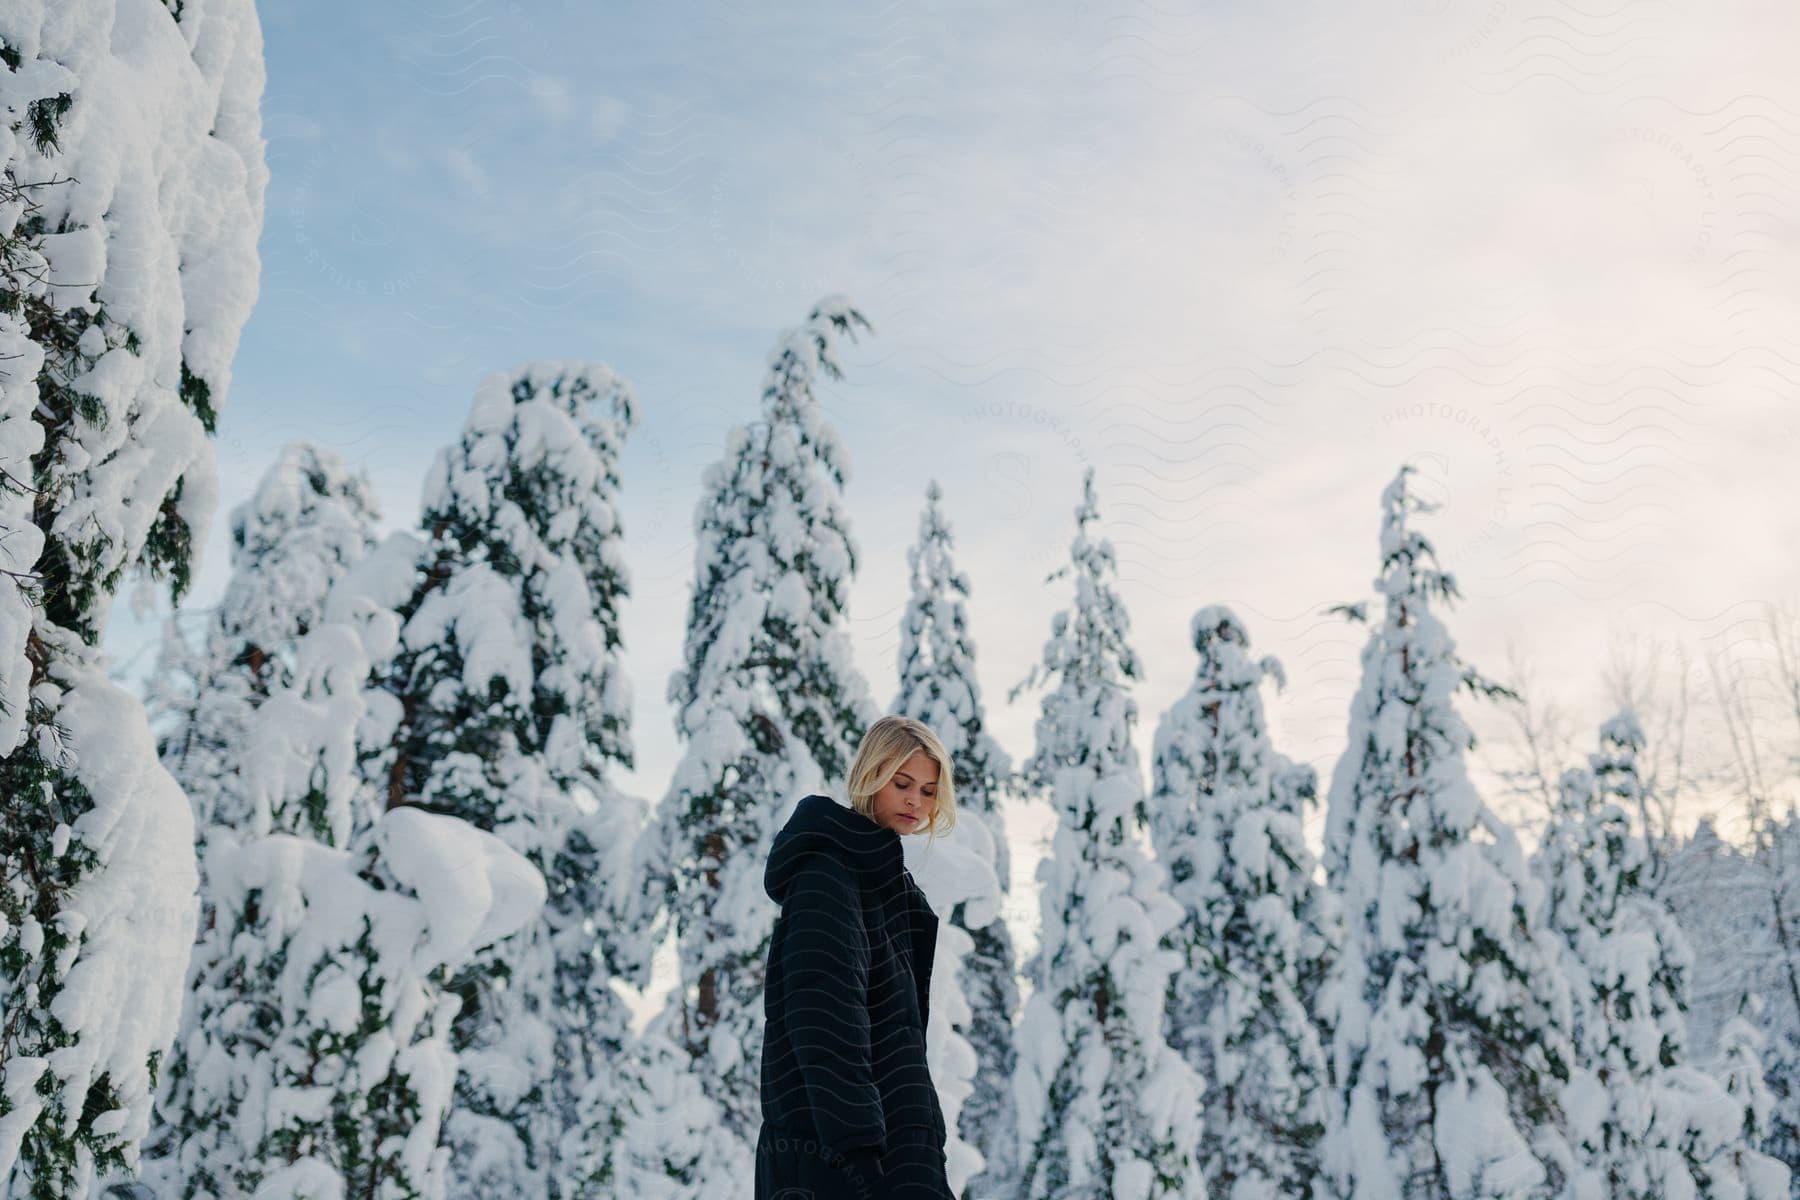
(261, 720)
(512, 709)
(1723, 1134)
(938, 686)
(770, 706)
(1225, 821)
(1774, 958)
(132, 176)
(1450, 1026)
(1627, 964)
(1642, 1122)
(1620, 793)
(308, 521)
(1736, 909)
(337, 1063)
(1719, 897)
(1106, 1108)
(315, 1057)
(938, 682)
(323, 1063)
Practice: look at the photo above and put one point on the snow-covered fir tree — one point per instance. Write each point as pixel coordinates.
(1724, 1133)
(967, 874)
(769, 706)
(1450, 1022)
(337, 1067)
(1626, 963)
(512, 712)
(1619, 778)
(1739, 908)
(262, 717)
(1639, 1120)
(1106, 1108)
(308, 521)
(1719, 896)
(1226, 823)
(1773, 958)
(132, 177)
(315, 1056)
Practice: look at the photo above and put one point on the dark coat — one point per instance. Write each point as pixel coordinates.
(848, 1106)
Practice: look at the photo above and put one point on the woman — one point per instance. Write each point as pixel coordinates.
(849, 1109)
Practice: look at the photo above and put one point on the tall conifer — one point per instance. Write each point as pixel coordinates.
(938, 686)
(132, 176)
(1226, 822)
(1106, 1108)
(769, 707)
(1450, 1021)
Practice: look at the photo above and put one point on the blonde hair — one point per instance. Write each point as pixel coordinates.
(887, 744)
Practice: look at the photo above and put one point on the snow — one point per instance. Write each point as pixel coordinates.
(131, 920)
(477, 611)
(303, 950)
(311, 1178)
(475, 890)
(139, 822)
(1482, 1152)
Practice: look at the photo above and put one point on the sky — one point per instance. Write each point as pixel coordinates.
(1241, 260)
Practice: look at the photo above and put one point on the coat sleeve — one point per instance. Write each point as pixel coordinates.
(825, 967)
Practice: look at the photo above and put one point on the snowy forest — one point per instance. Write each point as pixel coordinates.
(349, 901)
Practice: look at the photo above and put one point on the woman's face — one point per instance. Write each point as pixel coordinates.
(906, 801)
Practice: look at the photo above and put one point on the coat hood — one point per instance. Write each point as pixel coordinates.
(820, 825)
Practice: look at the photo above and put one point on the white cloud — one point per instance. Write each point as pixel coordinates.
(551, 95)
(464, 166)
(607, 117)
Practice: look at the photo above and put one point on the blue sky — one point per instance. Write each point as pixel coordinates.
(1243, 260)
